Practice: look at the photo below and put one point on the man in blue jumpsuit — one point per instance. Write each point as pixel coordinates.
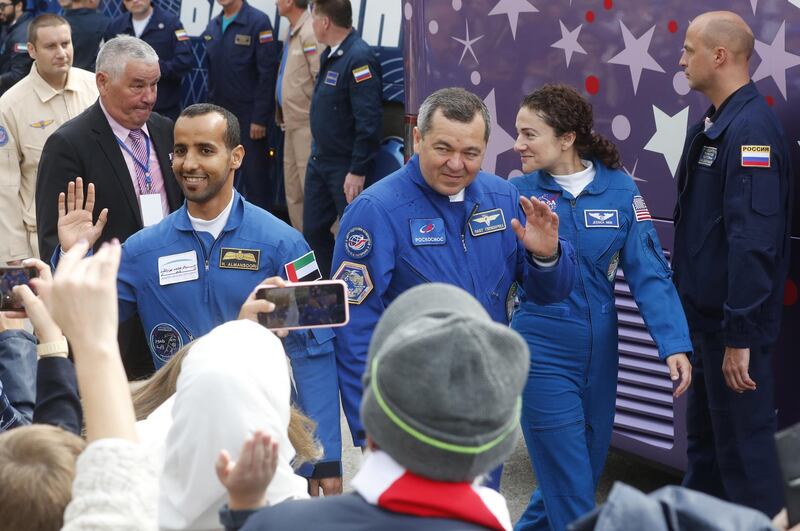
(242, 57)
(15, 63)
(164, 32)
(440, 219)
(346, 110)
(731, 258)
(196, 268)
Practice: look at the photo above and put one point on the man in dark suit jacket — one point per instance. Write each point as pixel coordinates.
(122, 148)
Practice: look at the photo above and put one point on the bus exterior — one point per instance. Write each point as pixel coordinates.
(623, 56)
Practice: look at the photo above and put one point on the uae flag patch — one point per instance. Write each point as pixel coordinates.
(640, 209)
(304, 269)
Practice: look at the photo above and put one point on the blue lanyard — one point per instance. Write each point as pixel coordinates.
(144, 166)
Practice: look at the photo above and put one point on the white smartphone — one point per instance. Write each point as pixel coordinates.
(321, 304)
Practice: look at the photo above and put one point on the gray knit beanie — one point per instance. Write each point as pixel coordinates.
(443, 383)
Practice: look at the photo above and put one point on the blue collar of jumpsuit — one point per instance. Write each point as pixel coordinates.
(344, 46)
(472, 193)
(153, 22)
(183, 223)
(242, 17)
(598, 185)
(742, 96)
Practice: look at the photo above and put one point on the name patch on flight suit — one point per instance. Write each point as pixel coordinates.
(357, 242)
(356, 276)
(427, 231)
(245, 259)
(165, 341)
(755, 156)
(601, 218)
(487, 222)
(331, 78)
(175, 268)
(707, 156)
(41, 124)
(243, 40)
(3, 136)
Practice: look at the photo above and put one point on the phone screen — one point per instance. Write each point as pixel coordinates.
(10, 277)
(305, 305)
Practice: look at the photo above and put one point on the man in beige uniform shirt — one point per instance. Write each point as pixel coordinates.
(30, 111)
(298, 70)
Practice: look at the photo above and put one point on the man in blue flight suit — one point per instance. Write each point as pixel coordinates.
(15, 63)
(200, 266)
(346, 110)
(440, 219)
(731, 258)
(164, 32)
(242, 57)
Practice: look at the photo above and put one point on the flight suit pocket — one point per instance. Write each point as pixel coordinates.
(655, 254)
(506, 277)
(765, 194)
(548, 310)
(697, 243)
(308, 343)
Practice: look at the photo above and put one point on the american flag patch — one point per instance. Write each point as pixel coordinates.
(640, 209)
(181, 35)
(362, 73)
(310, 49)
(264, 36)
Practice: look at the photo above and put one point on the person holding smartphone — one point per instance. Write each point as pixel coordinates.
(195, 269)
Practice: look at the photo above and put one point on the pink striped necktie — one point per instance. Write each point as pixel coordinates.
(141, 161)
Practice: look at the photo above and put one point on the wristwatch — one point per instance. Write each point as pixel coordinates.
(547, 259)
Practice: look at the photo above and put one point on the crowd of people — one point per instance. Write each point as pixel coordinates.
(148, 397)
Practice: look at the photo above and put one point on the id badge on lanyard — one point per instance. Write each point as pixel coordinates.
(149, 203)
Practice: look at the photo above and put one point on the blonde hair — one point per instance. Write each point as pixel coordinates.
(37, 467)
(162, 385)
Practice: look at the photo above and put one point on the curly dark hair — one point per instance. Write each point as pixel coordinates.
(565, 110)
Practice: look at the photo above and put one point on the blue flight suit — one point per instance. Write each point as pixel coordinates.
(400, 233)
(15, 63)
(88, 28)
(569, 401)
(731, 259)
(172, 314)
(346, 113)
(165, 33)
(242, 68)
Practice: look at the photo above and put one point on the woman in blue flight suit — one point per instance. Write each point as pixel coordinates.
(568, 404)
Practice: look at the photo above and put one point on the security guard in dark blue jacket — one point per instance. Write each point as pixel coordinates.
(164, 32)
(242, 57)
(15, 63)
(345, 124)
(731, 259)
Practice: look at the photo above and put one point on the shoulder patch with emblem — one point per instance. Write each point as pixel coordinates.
(3, 136)
(244, 259)
(640, 209)
(601, 218)
(357, 242)
(181, 35)
(362, 73)
(611, 273)
(41, 124)
(242, 40)
(756, 156)
(265, 36)
(487, 222)
(310, 48)
(512, 301)
(551, 200)
(304, 269)
(427, 231)
(356, 277)
(165, 341)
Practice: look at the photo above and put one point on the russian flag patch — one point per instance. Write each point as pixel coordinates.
(264, 37)
(362, 73)
(756, 156)
(181, 35)
(310, 49)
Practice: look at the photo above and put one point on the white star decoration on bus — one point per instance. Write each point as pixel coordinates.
(499, 140)
(512, 8)
(669, 136)
(635, 55)
(467, 43)
(569, 42)
(775, 60)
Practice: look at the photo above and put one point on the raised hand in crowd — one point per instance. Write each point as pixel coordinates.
(76, 217)
(44, 327)
(247, 479)
(539, 233)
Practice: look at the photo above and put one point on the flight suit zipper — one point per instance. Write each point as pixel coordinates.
(466, 226)
(206, 261)
(573, 203)
(688, 171)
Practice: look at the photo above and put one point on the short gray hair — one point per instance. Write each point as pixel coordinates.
(117, 52)
(456, 104)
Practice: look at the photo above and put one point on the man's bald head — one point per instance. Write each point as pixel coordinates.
(725, 29)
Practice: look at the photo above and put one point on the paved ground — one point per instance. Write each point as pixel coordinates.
(518, 480)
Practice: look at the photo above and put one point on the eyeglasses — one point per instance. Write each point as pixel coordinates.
(4, 5)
